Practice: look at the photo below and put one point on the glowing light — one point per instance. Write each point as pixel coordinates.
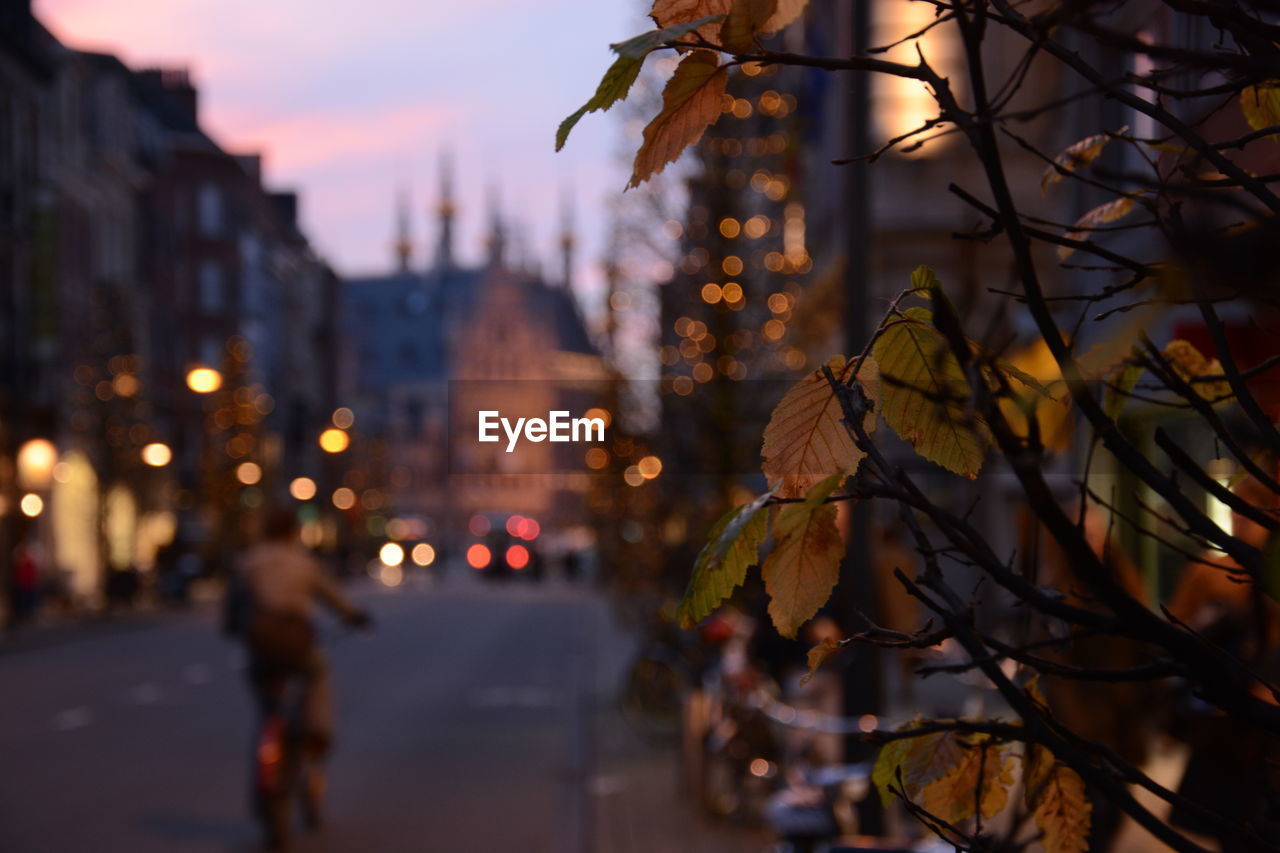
(529, 529)
(597, 458)
(649, 467)
(126, 385)
(423, 554)
(204, 380)
(517, 557)
(344, 498)
(302, 488)
(702, 372)
(778, 302)
(479, 525)
(334, 440)
(682, 385)
(343, 418)
(478, 556)
(760, 767)
(31, 505)
(867, 723)
(632, 476)
(513, 525)
(729, 227)
(757, 226)
(732, 265)
(36, 459)
(741, 108)
(157, 454)
(62, 473)
(391, 554)
(599, 414)
(732, 292)
(391, 576)
(774, 330)
(711, 293)
(249, 473)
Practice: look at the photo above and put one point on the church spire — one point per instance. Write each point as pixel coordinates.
(403, 244)
(445, 212)
(497, 229)
(567, 240)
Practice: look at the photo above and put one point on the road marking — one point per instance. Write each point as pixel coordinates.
(72, 718)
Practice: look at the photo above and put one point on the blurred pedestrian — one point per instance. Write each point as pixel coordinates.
(272, 604)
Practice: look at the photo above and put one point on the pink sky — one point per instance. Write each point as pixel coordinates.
(348, 99)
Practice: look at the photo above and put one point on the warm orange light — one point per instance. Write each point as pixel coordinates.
(711, 293)
(517, 557)
(732, 265)
(302, 488)
(31, 505)
(599, 414)
(729, 227)
(344, 498)
(334, 440)
(478, 556)
(423, 554)
(204, 380)
(732, 292)
(36, 459)
(391, 554)
(156, 454)
(597, 458)
(343, 418)
(778, 302)
(650, 467)
(632, 476)
(249, 473)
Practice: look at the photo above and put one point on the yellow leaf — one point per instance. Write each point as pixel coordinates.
(613, 87)
(1076, 156)
(690, 104)
(1189, 363)
(1109, 212)
(954, 796)
(921, 760)
(924, 390)
(732, 547)
(1261, 105)
(806, 440)
(668, 12)
(1055, 797)
(818, 656)
(803, 566)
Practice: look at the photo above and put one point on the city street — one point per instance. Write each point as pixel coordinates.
(474, 718)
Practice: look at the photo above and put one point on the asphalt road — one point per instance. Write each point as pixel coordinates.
(463, 726)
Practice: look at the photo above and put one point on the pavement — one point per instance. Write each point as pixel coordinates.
(475, 718)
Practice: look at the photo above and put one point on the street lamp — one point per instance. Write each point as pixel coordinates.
(157, 454)
(36, 459)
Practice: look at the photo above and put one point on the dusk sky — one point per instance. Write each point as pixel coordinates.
(348, 100)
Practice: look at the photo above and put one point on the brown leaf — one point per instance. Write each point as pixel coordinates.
(803, 566)
(1076, 156)
(1109, 212)
(668, 12)
(818, 656)
(746, 18)
(787, 11)
(1189, 363)
(954, 796)
(690, 104)
(806, 440)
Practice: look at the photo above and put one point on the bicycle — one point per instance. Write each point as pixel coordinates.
(280, 758)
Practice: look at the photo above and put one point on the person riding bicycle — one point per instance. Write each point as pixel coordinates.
(277, 587)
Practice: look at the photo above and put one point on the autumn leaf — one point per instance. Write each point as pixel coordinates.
(954, 796)
(732, 547)
(1103, 213)
(923, 391)
(803, 566)
(1055, 796)
(818, 656)
(613, 87)
(637, 47)
(787, 11)
(690, 104)
(665, 13)
(1076, 156)
(746, 19)
(1117, 390)
(1190, 364)
(921, 760)
(1261, 105)
(806, 441)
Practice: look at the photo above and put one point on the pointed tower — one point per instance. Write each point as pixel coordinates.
(445, 212)
(403, 243)
(497, 241)
(567, 240)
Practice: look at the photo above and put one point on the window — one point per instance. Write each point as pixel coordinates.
(209, 210)
(212, 287)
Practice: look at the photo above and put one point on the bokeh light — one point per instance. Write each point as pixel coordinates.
(649, 467)
(479, 525)
(157, 454)
(513, 525)
(517, 557)
(334, 440)
(31, 505)
(391, 554)
(344, 498)
(529, 529)
(343, 418)
(204, 380)
(249, 473)
(36, 459)
(423, 554)
(478, 556)
(302, 488)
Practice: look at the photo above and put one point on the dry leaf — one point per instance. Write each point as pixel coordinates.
(1109, 212)
(1077, 156)
(690, 104)
(1055, 797)
(1189, 363)
(668, 12)
(803, 566)
(732, 547)
(818, 656)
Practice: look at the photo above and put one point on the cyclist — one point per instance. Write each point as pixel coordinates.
(277, 586)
